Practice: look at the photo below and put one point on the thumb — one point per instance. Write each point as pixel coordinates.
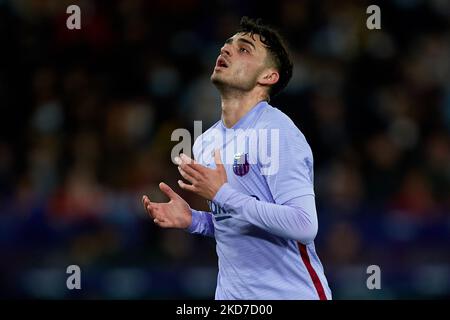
(217, 158)
(168, 191)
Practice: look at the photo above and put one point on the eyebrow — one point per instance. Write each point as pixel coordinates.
(230, 40)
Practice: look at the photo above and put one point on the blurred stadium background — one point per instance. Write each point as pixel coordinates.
(86, 119)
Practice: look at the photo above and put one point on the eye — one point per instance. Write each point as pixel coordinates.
(243, 50)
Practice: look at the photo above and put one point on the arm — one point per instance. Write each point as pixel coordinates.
(289, 179)
(296, 219)
(201, 223)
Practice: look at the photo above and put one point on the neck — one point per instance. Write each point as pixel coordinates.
(236, 105)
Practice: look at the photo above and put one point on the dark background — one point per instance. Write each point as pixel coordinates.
(86, 118)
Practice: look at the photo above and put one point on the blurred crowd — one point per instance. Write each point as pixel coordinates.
(87, 117)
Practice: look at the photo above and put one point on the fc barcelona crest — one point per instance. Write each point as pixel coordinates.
(240, 164)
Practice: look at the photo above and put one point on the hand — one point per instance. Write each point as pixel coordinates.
(174, 214)
(204, 181)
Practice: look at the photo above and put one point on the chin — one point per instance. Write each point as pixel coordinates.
(217, 79)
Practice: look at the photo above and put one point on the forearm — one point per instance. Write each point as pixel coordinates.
(201, 223)
(296, 220)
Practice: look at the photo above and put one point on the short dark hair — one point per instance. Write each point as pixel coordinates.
(276, 47)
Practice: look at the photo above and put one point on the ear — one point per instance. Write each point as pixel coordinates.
(269, 77)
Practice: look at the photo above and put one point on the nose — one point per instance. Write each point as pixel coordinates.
(225, 50)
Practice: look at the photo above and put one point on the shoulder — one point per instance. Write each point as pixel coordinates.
(274, 119)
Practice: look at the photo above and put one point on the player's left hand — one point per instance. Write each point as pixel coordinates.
(204, 181)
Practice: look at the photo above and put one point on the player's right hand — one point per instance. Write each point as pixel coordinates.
(174, 214)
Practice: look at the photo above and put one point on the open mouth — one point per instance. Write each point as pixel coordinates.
(221, 63)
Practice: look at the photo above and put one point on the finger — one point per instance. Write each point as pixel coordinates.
(148, 205)
(146, 201)
(188, 162)
(159, 219)
(187, 159)
(217, 158)
(163, 224)
(185, 175)
(185, 186)
(178, 160)
(194, 174)
(150, 210)
(168, 191)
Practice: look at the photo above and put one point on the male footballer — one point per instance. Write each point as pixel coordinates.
(259, 187)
